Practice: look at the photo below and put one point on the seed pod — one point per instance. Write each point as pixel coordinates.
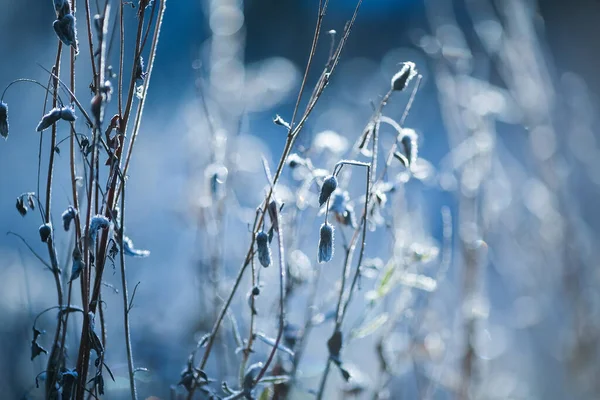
(47, 120)
(68, 114)
(410, 146)
(264, 251)
(401, 79)
(77, 266)
(45, 232)
(98, 222)
(67, 217)
(65, 30)
(329, 185)
(21, 207)
(273, 209)
(325, 252)
(3, 120)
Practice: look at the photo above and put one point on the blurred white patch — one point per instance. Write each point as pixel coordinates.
(268, 82)
(331, 141)
(226, 20)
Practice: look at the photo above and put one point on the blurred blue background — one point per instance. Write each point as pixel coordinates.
(166, 179)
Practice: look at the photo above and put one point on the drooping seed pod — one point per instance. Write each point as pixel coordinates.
(3, 120)
(21, 207)
(48, 119)
(325, 252)
(45, 232)
(401, 79)
(264, 251)
(65, 30)
(329, 185)
(273, 210)
(67, 217)
(77, 266)
(410, 146)
(98, 222)
(67, 114)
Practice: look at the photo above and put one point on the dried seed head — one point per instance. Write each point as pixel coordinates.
(98, 222)
(77, 266)
(130, 250)
(329, 185)
(67, 217)
(264, 251)
(47, 120)
(30, 200)
(325, 252)
(342, 208)
(273, 211)
(21, 207)
(45, 232)
(68, 114)
(401, 79)
(410, 146)
(65, 30)
(3, 120)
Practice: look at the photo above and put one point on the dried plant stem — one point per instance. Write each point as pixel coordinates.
(282, 268)
(85, 277)
(55, 357)
(313, 49)
(126, 308)
(73, 181)
(248, 350)
(151, 58)
(341, 309)
(88, 22)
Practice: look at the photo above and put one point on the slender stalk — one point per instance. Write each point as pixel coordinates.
(313, 49)
(126, 309)
(55, 358)
(341, 310)
(88, 22)
(73, 180)
(281, 298)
